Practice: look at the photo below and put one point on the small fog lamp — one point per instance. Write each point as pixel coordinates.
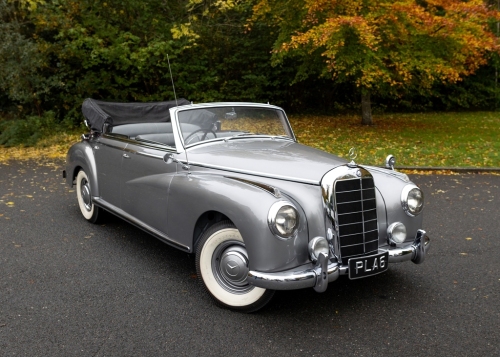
(396, 233)
(318, 246)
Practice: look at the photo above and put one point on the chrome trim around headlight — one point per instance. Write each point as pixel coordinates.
(404, 199)
(271, 219)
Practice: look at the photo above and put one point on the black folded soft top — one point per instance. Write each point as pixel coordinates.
(99, 112)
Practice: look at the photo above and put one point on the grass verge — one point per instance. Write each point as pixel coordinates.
(53, 147)
(430, 139)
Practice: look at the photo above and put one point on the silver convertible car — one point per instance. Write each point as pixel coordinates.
(230, 183)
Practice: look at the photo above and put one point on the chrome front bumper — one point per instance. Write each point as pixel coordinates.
(318, 275)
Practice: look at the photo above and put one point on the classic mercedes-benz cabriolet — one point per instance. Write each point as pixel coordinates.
(230, 183)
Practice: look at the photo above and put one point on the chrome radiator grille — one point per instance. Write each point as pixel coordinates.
(357, 217)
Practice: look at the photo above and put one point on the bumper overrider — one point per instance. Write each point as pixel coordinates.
(318, 275)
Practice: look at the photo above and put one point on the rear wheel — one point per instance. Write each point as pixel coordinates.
(84, 195)
(222, 267)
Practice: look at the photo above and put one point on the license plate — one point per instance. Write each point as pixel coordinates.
(367, 266)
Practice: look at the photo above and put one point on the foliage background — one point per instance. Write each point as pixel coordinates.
(56, 53)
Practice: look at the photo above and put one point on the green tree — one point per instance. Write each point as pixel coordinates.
(25, 76)
(228, 61)
(113, 49)
(382, 46)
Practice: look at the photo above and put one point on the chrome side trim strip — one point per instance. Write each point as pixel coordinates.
(268, 188)
(109, 145)
(139, 224)
(126, 139)
(150, 155)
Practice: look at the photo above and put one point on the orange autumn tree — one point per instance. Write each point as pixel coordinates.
(384, 46)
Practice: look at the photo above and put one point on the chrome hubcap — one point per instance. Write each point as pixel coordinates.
(230, 267)
(85, 192)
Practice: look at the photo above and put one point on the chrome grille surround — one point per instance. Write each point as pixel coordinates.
(349, 200)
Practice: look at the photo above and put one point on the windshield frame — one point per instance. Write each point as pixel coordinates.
(182, 146)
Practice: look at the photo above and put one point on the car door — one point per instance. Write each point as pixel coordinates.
(145, 183)
(108, 153)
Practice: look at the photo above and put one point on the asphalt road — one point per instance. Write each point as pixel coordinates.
(70, 288)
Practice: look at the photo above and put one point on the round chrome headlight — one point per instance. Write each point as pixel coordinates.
(396, 233)
(412, 200)
(283, 219)
(317, 246)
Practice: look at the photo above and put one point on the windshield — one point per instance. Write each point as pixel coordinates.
(230, 122)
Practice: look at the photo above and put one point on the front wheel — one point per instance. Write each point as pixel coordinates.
(84, 195)
(222, 268)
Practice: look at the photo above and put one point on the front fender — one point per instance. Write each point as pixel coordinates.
(81, 155)
(390, 188)
(247, 206)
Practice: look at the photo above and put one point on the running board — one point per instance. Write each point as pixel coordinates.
(139, 224)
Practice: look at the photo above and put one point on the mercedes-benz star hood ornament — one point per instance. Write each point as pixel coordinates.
(353, 154)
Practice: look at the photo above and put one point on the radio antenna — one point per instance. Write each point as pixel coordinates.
(184, 166)
(172, 78)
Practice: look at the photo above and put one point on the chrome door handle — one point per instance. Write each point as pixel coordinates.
(126, 156)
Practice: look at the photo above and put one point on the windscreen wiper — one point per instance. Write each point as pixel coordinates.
(286, 137)
(239, 135)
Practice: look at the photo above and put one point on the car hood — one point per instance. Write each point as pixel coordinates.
(266, 158)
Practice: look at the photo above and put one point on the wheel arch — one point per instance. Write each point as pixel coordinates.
(81, 157)
(204, 222)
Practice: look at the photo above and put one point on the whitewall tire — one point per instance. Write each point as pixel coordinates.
(222, 268)
(84, 196)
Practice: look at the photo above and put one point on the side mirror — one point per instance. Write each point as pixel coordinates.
(168, 158)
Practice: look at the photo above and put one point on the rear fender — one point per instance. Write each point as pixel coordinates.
(81, 155)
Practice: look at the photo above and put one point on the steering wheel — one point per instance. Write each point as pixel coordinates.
(205, 131)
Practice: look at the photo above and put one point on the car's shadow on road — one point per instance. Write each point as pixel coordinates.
(394, 290)
(395, 287)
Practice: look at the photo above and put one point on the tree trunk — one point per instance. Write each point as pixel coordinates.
(366, 108)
